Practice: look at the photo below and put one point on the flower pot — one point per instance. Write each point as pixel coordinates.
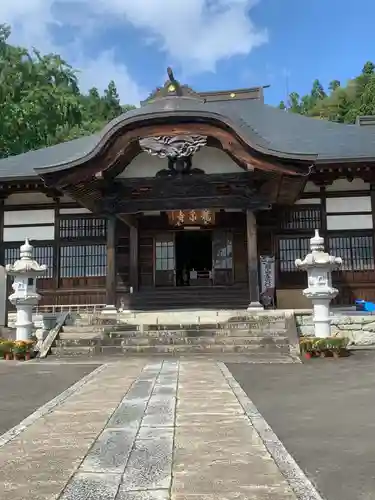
(8, 356)
(326, 354)
(341, 353)
(308, 355)
(27, 356)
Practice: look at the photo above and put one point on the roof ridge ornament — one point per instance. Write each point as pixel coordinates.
(172, 88)
(174, 84)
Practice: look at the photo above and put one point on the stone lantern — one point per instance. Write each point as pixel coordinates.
(319, 266)
(25, 272)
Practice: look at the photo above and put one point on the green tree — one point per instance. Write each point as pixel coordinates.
(41, 103)
(335, 84)
(343, 103)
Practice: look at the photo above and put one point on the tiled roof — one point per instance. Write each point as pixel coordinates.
(267, 129)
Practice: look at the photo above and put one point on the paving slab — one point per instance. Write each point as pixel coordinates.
(146, 430)
(217, 451)
(39, 462)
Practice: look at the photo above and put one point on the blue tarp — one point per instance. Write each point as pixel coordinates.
(363, 305)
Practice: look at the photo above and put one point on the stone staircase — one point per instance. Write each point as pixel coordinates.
(172, 298)
(265, 334)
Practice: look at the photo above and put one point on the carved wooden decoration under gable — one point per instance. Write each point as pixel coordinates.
(178, 150)
(179, 146)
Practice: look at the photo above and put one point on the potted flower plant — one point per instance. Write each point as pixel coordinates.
(338, 346)
(6, 349)
(29, 344)
(2, 349)
(322, 346)
(306, 345)
(19, 349)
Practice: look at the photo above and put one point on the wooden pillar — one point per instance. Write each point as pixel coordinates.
(252, 261)
(372, 193)
(133, 261)
(4, 279)
(111, 263)
(56, 247)
(2, 248)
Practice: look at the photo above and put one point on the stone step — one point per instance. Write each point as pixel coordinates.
(166, 299)
(220, 340)
(144, 341)
(78, 350)
(209, 349)
(248, 324)
(195, 333)
(68, 329)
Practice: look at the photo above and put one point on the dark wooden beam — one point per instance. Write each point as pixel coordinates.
(111, 262)
(2, 250)
(120, 148)
(165, 204)
(252, 262)
(129, 220)
(56, 245)
(130, 196)
(373, 217)
(134, 250)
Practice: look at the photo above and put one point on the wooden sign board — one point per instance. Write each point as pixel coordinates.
(203, 217)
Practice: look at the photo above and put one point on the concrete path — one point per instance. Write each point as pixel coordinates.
(155, 430)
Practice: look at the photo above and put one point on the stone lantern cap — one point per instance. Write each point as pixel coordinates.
(317, 242)
(26, 264)
(318, 257)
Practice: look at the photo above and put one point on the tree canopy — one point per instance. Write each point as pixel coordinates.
(41, 103)
(340, 103)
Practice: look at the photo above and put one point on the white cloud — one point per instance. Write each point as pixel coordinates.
(196, 34)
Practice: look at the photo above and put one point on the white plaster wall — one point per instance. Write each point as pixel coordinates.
(73, 211)
(27, 199)
(31, 232)
(66, 199)
(211, 160)
(33, 199)
(349, 204)
(311, 188)
(345, 185)
(347, 222)
(308, 201)
(29, 217)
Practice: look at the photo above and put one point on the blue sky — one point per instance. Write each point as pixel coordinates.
(211, 44)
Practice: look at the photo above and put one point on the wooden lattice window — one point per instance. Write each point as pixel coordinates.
(42, 254)
(356, 251)
(164, 256)
(291, 249)
(222, 250)
(83, 228)
(306, 218)
(83, 261)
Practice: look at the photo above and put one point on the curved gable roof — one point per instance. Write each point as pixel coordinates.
(266, 129)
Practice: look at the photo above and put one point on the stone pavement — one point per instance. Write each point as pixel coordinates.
(148, 430)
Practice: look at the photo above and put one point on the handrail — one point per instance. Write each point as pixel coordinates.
(49, 340)
(89, 308)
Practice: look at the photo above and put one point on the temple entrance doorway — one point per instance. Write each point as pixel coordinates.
(193, 249)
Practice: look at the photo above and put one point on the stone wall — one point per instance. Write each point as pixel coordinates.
(359, 329)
